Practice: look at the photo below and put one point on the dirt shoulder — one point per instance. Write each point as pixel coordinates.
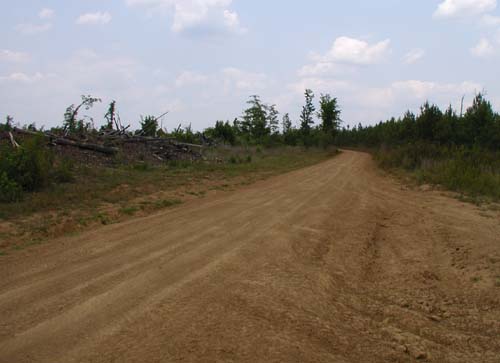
(329, 263)
(103, 195)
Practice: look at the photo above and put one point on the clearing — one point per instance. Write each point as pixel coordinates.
(330, 263)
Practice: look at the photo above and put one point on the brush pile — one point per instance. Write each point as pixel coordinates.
(110, 146)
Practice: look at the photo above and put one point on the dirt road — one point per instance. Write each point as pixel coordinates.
(332, 263)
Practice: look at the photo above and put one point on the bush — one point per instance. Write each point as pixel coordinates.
(10, 191)
(24, 169)
(471, 170)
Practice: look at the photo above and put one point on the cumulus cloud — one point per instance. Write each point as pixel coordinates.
(413, 56)
(32, 29)
(355, 51)
(483, 49)
(321, 68)
(454, 8)
(7, 55)
(344, 57)
(490, 20)
(232, 21)
(188, 78)
(97, 18)
(189, 15)
(46, 13)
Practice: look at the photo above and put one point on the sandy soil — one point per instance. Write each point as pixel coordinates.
(332, 263)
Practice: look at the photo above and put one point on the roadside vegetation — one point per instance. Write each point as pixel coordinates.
(49, 190)
(461, 152)
(32, 166)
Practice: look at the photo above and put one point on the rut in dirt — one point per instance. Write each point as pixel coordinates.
(331, 263)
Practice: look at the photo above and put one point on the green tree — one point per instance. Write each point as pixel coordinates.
(272, 119)
(480, 122)
(329, 113)
(110, 116)
(255, 120)
(149, 126)
(306, 116)
(71, 122)
(429, 117)
(223, 131)
(286, 124)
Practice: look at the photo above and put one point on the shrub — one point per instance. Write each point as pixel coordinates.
(10, 191)
(471, 170)
(24, 169)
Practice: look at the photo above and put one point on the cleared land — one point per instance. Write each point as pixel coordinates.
(331, 263)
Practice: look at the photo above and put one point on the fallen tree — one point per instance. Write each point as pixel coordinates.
(113, 141)
(56, 140)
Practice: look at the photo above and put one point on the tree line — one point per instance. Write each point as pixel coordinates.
(460, 151)
(479, 127)
(261, 124)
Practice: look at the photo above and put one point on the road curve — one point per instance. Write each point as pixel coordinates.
(331, 263)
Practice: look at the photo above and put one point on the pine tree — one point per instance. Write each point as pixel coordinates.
(286, 124)
(306, 116)
(272, 119)
(255, 120)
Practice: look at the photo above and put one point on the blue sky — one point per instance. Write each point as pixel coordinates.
(201, 59)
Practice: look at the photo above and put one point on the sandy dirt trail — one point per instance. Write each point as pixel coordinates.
(332, 263)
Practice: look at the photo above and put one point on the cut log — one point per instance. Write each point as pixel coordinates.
(188, 145)
(62, 141)
(86, 146)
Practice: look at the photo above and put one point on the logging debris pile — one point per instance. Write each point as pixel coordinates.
(110, 147)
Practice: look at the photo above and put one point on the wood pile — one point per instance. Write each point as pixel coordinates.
(115, 142)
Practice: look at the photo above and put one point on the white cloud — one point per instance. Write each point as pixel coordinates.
(7, 55)
(425, 89)
(97, 18)
(188, 78)
(365, 103)
(232, 21)
(46, 13)
(413, 56)
(454, 8)
(23, 77)
(32, 29)
(196, 14)
(243, 80)
(490, 20)
(355, 51)
(344, 57)
(326, 69)
(483, 49)
(319, 84)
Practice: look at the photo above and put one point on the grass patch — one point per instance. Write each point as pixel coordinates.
(473, 172)
(129, 211)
